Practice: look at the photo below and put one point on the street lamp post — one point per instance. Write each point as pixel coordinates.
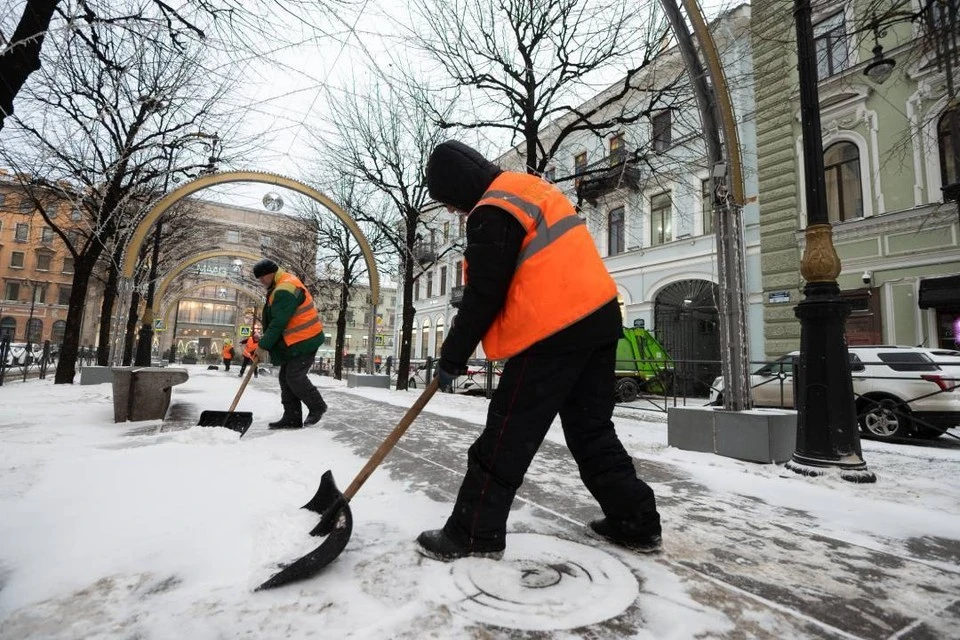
(827, 435)
(145, 342)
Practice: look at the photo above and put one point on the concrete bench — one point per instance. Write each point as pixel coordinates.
(758, 435)
(143, 393)
(368, 380)
(94, 374)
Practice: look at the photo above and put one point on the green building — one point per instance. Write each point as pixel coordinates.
(888, 151)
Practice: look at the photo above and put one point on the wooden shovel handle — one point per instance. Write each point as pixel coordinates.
(391, 440)
(243, 385)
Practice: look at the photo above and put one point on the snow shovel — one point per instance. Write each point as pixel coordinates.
(238, 421)
(336, 521)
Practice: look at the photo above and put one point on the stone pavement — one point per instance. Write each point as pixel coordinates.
(765, 567)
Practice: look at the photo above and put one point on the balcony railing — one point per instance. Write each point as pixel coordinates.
(613, 172)
(425, 252)
(456, 296)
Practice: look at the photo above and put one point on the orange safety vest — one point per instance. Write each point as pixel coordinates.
(560, 277)
(227, 352)
(250, 348)
(305, 322)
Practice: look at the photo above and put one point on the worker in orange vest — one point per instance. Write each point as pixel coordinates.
(249, 349)
(537, 294)
(292, 334)
(227, 355)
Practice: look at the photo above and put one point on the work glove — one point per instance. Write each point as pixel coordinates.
(447, 373)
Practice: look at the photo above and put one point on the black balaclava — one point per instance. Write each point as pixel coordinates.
(458, 175)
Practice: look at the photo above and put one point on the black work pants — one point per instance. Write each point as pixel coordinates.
(295, 387)
(243, 367)
(534, 388)
(226, 364)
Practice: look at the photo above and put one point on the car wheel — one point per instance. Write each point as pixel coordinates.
(627, 390)
(883, 417)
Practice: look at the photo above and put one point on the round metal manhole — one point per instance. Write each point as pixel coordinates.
(543, 584)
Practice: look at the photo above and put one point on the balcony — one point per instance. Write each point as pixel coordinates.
(425, 252)
(456, 296)
(614, 172)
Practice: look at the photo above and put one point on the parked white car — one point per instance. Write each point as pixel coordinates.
(899, 391)
(16, 355)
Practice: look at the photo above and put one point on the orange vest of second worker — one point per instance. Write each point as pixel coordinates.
(250, 348)
(560, 277)
(305, 322)
(227, 352)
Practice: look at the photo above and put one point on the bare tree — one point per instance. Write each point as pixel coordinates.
(530, 62)
(384, 140)
(100, 136)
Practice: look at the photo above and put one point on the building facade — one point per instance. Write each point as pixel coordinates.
(888, 151)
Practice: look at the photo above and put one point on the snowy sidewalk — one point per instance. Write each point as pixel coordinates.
(162, 530)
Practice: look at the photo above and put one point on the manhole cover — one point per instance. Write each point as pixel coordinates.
(543, 584)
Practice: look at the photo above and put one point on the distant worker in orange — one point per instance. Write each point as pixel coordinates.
(249, 348)
(227, 355)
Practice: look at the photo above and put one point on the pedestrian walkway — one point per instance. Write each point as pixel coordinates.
(137, 528)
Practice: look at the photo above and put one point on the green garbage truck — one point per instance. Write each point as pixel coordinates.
(642, 365)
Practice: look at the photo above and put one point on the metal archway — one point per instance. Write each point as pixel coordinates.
(139, 235)
(192, 260)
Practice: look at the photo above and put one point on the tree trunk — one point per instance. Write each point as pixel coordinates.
(106, 315)
(133, 317)
(67, 364)
(406, 324)
(341, 330)
(21, 57)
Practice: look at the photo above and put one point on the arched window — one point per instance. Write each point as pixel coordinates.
(8, 328)
(35, 330)
(949, 146)
(56, 334)
(841, 167)
(425, 339)
(438, 338)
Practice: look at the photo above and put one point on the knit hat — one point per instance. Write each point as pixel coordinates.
(458, 175)
(263, 267)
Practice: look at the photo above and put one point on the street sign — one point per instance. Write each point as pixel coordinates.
(158, 324)
(245, 331)
(778, 297)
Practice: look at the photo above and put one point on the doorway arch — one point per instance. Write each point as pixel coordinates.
(687, 323)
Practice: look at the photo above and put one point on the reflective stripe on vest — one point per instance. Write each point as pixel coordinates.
(305, 322)
(560, 277)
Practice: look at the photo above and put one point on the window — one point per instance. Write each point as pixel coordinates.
(233, 236)
(550, 175)
(8, 328)
(438, 337)
(443, 281)
(580, 162)
(430, 283)
(615, 239)
(617, 151)
(462, 226)
(266, 241)
(16, 259)
(56, 333)
(3, 198)
(661, 219)
(46, 235)
(416, 290)
(35, 330)
(661, 135)
(76, 215)
(67, 265)
(458, 278)
(446, 232)
(841, 167)
(43, 261)
(40, 294)
(830, 40)
(63, 297)
(425, 339)
(12, 291)
(22, 233)
(706, 205)
(949, 146)
(26, 205)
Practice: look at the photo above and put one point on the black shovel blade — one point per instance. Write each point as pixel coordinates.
(238, 421)
(328, 551)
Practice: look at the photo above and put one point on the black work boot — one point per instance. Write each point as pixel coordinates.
(437, 545)
(641, 536)
(315, 414)
(292, 418)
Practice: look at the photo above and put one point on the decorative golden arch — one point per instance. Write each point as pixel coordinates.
(140, 233)
(194, 259)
